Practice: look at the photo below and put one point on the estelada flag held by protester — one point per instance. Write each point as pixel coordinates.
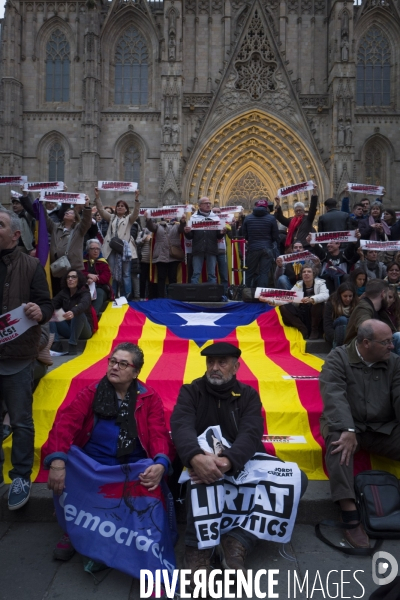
(172, 335)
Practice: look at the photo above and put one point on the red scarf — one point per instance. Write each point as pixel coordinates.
(293, 225)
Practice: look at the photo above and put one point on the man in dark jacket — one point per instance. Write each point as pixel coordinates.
(371, 306)
(260, 230)
(217, 398)
(204, 245)
(360, 389)
(22, 282)
(334, 219)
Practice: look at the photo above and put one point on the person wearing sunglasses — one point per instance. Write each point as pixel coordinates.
(77, 319)
(116, 421)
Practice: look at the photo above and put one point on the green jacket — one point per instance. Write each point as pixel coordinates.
(358, 396)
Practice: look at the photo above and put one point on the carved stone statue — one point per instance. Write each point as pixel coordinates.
(348, 134)
(167, 133)
(172, 48)
(345, 23)
(345, 50)
(175, 133)
(340, 135)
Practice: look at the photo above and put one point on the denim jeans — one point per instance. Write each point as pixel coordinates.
(223, 270)
(16, 395)
(339, 325)
(76, 329)
(126, 274)
(197, 263)
(283, 283)
(259, 264)
(100, 300)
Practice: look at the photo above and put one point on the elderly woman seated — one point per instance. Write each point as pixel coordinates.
(307, 315)
(98, 272)
(115, 421)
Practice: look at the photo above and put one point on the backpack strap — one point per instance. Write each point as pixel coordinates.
(344, 549)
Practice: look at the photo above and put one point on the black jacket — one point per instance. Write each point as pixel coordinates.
(260, 229)
(335, 220)
(306, 226)
(204, 241)
(240, 420)
(78, 303)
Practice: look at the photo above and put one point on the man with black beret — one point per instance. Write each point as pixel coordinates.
(217, 398)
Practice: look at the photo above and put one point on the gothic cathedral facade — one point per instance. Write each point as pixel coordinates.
(226, 98)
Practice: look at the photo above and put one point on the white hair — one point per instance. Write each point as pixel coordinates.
(94, 241)
(301, 204)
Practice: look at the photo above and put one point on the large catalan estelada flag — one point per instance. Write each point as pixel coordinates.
(172, 335)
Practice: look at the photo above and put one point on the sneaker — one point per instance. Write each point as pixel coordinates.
(63, 550)
(19, 493)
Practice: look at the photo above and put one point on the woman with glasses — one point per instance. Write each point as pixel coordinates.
(76, 317)
(115, 421)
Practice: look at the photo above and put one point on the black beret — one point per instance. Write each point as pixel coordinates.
(221, 349)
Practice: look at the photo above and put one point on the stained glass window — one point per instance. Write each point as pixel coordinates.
(373, 165)
(373, 69)
(57, 68)
(131, 69)
(56, 162)
(132, 164)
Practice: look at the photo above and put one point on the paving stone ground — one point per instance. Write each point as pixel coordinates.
(28, 571)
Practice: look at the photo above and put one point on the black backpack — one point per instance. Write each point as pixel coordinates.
(378, 502)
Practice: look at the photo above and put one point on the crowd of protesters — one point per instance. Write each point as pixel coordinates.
(113, 252)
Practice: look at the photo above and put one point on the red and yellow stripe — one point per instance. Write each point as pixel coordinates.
(270, 352)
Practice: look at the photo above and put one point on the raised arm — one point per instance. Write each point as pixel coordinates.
(104, 214)
(136, 209)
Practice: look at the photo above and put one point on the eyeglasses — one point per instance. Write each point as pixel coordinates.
(72, 277)
(122, 364)
(384, 343)
(94, 248)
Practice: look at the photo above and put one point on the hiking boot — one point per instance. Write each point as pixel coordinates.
(233, 553)
(57, 347)
(72, 350)
(63, 550)
(197, 560)
(19, 493)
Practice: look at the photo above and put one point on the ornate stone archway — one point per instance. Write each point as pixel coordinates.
(256, 143)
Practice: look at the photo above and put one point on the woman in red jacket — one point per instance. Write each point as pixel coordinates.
(118, 420)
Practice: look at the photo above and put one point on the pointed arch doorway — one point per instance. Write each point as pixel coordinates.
(253, 154)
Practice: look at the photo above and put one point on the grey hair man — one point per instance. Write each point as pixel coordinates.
(22, 283)
(360, 389)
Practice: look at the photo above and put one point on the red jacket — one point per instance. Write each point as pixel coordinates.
(102, 269)
(74, 424)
